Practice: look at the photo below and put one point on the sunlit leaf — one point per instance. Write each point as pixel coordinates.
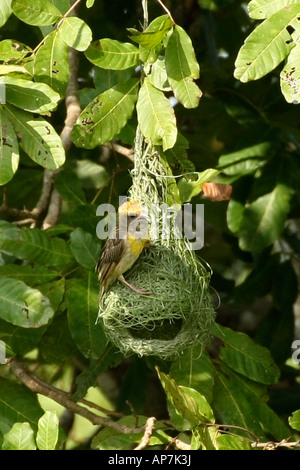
(19, 437)
(37, 137)
(47, 434)
(51, 63)
(30, 96)
(267, 45)
(76, 33)
(37, 13)
(105, 116)
(9, 150)
(260, 9)
(156, 117)
(5, 11)
(290, 76)
(111, 54)
(182, 68)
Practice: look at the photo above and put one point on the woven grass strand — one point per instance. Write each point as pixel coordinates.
(179, 314)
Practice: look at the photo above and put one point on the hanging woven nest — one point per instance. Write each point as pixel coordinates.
(178, 314)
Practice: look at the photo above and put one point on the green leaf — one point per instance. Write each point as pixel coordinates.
(84, 248)
(227, 442)
(159, 77)
(155, 116)
(105, 116)
(68, 185)
(31, 275)
(12, 50)
(294, 420)
(245, 160)
(177, 156)
(38, 138)
(51, 65)
(9, 150)
(30, 96)
(20, 437)
(195, 371)
(238, 405)
(34, 245)
(111, 54)
(260, 9)
(37, 13)
(290, 76)
(267, 45)
(235, 213)
(89, 3)
(17, 404)
(189, 188)
(82, 303)
(47, 434)
(263, 219)
(23, 306)
(245, 356)
(190, 404)
(154, 34)
(5, 11)
(5, 69)
(76, 33)
(182, 68)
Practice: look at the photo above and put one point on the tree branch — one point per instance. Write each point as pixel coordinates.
(147, 434)
(36, 385)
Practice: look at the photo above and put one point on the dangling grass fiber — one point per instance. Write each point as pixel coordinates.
(179, 313)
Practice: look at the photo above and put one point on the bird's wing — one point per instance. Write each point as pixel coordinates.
(110, 256)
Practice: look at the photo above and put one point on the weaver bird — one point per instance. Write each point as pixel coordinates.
(124, 246)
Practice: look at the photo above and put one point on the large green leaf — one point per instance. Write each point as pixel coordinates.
(290, 76)
(37, 13)
(19, 437)
(69, 186)
(38, 138)
(76, 33)
(245, 160)
(51, 63)
(9, 150)
(196, 371)
(84, 248)
(182, 68)
(159, 77)
(47, 434)
(263, 220)
(238, 405)
(23, 306)
(260, 9)
(111, 54)
(5, 11)
(155, 116)
(267, 45)
(190, 404)
(17, 404)
(245, 356)
(34, 245)
(30, 96)
(82, 304)
(105, 116)
(31, 275)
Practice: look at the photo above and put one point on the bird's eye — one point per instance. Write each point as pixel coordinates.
(132, 215)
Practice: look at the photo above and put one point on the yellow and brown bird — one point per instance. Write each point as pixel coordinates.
(124, 246)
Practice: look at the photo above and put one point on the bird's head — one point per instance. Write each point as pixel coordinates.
(133, 217)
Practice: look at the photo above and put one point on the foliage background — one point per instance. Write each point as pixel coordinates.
(251, 133)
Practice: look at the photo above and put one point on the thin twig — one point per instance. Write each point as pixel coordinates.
(147, 434)
(36, 385)
(166, 10)
(275, 445)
